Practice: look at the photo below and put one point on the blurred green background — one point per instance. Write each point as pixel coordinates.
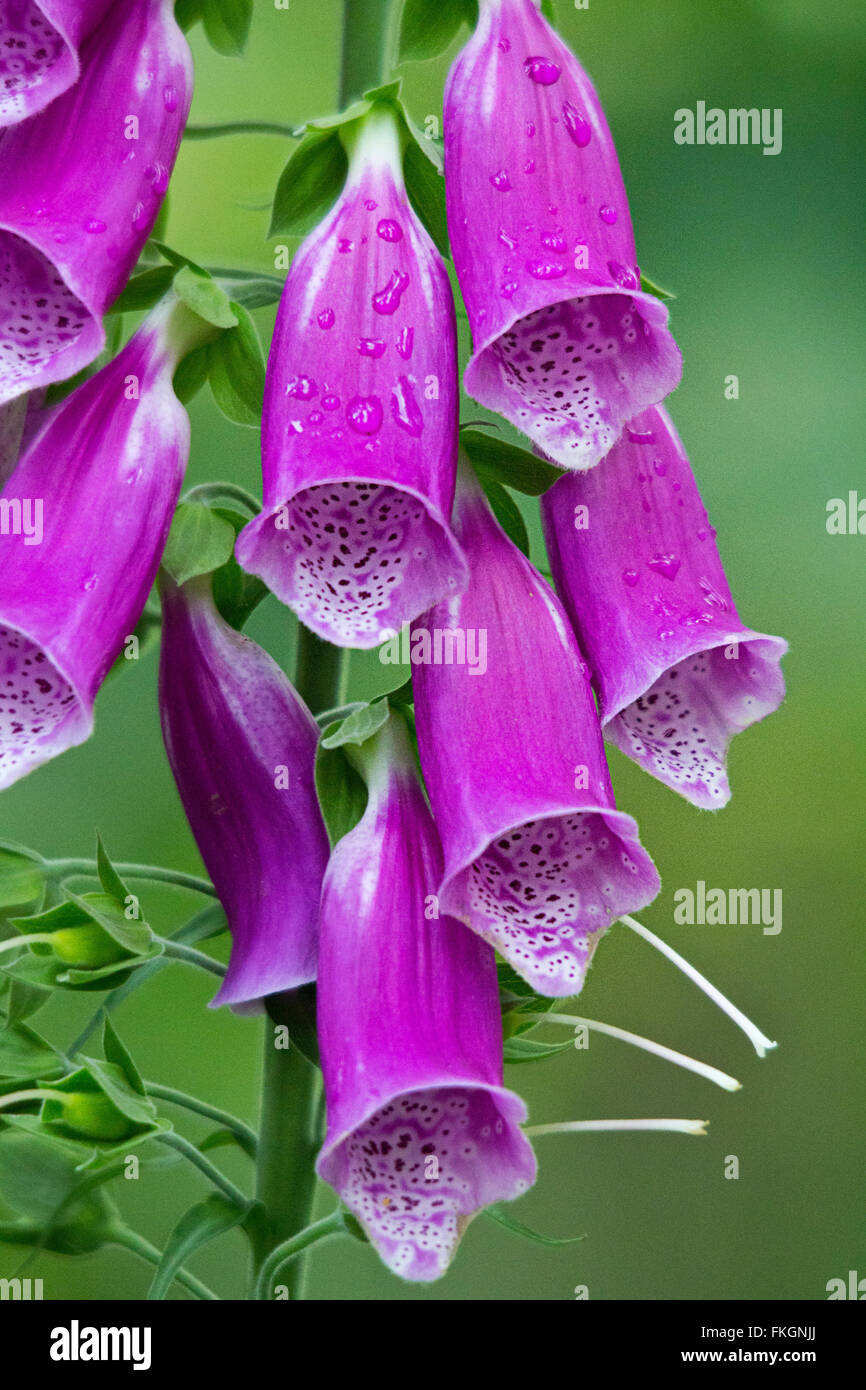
(765, 255)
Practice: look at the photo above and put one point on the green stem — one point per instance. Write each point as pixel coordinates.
(210, 132)
(211, 1172)
(175, 950)
(285, 1176)
(317, 670)
(26, 940)
(329, 1226)
(75, 868)
(365, 57)
(201, 1107)
(131, 1240)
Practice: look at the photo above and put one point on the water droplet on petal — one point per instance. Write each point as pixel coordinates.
(139, 216)
(529, 166)
(387, 300)
(370, 204)
(505, 45)
(640, 437)
(330, 401)
(325, 318)
(555, 241)
(660, 467)
(405, 343)
(90, 583)
(530, 128)
(546, 270)
(365, 414)
(302, 388)
(345, 245)
(500, 180)
(169, 99)
(542, 70)
(577, 125)
(405, 409)
(631, 577)
(507, 240)
(371, 347)
(607, 214)
(509, 289)
(95, 225)
(389, 230)
(668, 565)
(623, 276)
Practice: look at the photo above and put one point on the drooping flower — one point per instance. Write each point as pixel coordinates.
(421, 1133)
(566, 345)
(242, 747)
(40, 51)
(635, 561)
(82, 184)
(538, 860)
(359, 435)
(83, 522)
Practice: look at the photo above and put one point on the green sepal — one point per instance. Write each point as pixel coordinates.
(117, 1054)
(236, 370)
(310, 183)
(144, 290)
(519, 1049)
(199, 542)
(25, 1055)
(236, 593)
(201, 293)
(428, 27)
(507, 513)
(104, 1109)
(517, 1228)
(649, 287)
(497, 461)
(22, 879)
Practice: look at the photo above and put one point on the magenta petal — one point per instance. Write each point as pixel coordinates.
(85, 518)
(359, 437)
(421, 1132)
(538, 860)
(82, 184)
(40, 42)
(242, 747)
(636, 563)
(567, 347)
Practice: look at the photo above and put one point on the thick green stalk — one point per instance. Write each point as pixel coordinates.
(366, 33)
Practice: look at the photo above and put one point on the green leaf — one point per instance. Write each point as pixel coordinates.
(144, 290)
(199, 542)
(188, 12)
(226, 1138)
(227, 25)
(309, 184)
(357, 727)
(519, 1049)
(22, 1001)
(427, 27)
(24, 1054)
(191, 373)
(202, 294)
(648, 287)
(22, 879)
(202, 1223)
(39, 1179)
(518, 1228)
(116, 1053)
(108, 875)
(236, 593)
(505, 463)
(250, 291)
(342, 792)
(507, 513)
(426, 189)
(236, 371)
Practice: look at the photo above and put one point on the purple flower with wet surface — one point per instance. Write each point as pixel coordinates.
(566, 345)
(242, 747)
(86, 514)
(421, 1132)
(359, 435)
(636, 564)
(538, 860)
(82, 183)
(41, 44)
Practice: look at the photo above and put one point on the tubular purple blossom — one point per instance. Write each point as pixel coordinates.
(635, 562)
(242, 747)
(82, 184)
(359, 435)
(567, 347)
(421, 1133)
(83, 522)
(538, 860)
(40, 42)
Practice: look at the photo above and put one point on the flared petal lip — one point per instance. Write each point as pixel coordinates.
(736, 636)
(619, 822)
(554, 292)
(245, 548)
(513, 1105)
(84, 704)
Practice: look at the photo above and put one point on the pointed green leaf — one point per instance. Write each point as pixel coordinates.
(519, 1049)
(357, 727)
(202, 294)
(227, 25)
(518, 1229)
(191, 373)
(108, 875)
(22, 879)
(202, 1223)
(341, 790)
(507, 513)
(24, 1054)
(426, 189)
(310, 184)
(504, 463)
(236, 371)
(236, 593)
(144, 290)
(116, 1053)
(427, 27)
(648, 287)
(199, 542)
